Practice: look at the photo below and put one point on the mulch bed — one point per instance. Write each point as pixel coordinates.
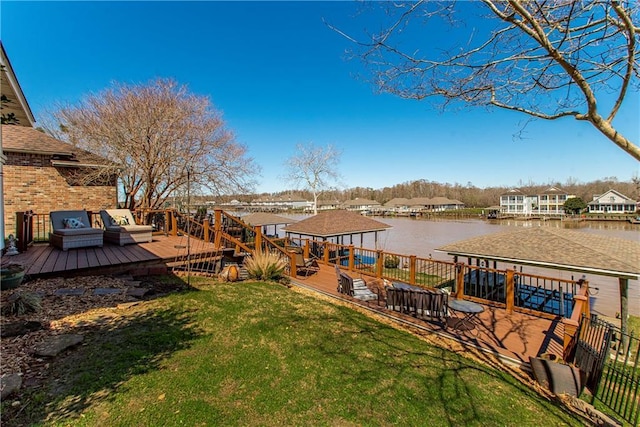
(61, 314)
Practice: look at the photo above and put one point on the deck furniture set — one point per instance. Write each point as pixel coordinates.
(73, 229)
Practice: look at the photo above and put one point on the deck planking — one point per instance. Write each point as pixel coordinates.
(516, 336)
(46, 260)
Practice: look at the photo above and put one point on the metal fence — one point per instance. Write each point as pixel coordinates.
(610, 360)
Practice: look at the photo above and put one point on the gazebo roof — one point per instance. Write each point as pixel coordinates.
(264, 218)
(555, 248)
(336, 223)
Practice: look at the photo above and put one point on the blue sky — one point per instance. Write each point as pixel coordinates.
(281, 77)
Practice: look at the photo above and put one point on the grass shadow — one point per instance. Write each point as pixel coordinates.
(112, 353)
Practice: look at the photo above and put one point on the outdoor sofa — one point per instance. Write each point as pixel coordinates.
(72, 229)
(121, 228)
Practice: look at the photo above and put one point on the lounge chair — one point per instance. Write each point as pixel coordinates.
(121, 228)
(304, 265)
(72, 229)
(356, 288)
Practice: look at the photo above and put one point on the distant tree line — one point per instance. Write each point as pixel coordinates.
(469, 194)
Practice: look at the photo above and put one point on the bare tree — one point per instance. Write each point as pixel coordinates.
(155, 134)
(315, 168)
(548, 59)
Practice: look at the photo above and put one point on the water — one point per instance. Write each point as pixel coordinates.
(421, 238)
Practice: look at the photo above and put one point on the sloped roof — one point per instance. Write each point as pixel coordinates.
(360, 202)
(10, 87)
(398, 201)
(596, 199)
(553, 190)
(444, 201)
(420, 201)
(514, 191)
(264, 218)
(336, 223)
(20, 139)
(555, 248)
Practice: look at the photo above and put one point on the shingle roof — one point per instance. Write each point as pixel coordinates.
(336, 223)
(29, 140)
(360, 202)
(556, 248)
(264, 218)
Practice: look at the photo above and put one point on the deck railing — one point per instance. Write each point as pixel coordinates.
(510, 289)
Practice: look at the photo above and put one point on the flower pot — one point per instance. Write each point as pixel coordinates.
(11, 276)
(557, 377)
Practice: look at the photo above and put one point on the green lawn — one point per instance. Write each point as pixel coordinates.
(256, 354)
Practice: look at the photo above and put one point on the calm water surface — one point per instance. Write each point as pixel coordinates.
(421, 238)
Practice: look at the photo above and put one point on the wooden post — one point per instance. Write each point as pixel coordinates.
(217, 227)
(570, 329)
(174, 224)
(305, 250)
(623, 284)
(205, 230)
(258, 240)
(380, 263)
(586, 307)
(351, 258)
(412, 269)
(459, 289)
(292, 264)
(509, 291)
(325, 253)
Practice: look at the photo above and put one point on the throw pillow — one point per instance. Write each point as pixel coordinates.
(73, 223)
(119, 220)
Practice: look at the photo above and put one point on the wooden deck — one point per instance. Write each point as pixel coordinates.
(43, 260)
(513, 337)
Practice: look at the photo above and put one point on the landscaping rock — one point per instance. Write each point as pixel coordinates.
(137, 292)
(19, 328)
(57, 343)
(9, 384)
(67, 291)
(107, 291)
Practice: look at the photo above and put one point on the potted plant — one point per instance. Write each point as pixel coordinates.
(11, 276)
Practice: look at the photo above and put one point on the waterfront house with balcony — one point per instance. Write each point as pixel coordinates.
(516, 202)
(551, 201)
(612, 202)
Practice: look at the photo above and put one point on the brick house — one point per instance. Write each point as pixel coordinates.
(38, 172)
(43, 174)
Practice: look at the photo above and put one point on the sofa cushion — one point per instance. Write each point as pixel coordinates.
(85, 231)
(129, 228)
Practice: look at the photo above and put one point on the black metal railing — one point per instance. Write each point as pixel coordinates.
(610, 361)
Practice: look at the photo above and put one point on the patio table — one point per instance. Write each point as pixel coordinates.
(469, 310)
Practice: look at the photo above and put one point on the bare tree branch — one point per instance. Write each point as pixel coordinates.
(315, 168)
(548, 59)
(155, 134)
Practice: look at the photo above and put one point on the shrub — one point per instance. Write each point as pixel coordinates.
(391, 261)
(266, 266)
(23, 302)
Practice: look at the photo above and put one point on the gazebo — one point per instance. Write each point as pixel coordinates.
(265, 219)
(559, 249)
(335, 225)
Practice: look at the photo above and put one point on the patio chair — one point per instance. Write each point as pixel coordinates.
(121, 228)
(72, 229)
(304, 265)
(423, 303)
(356, 288)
